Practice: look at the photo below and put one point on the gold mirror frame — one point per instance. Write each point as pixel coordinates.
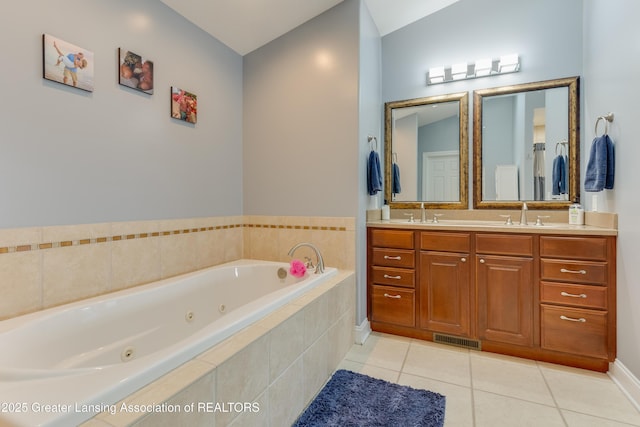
(572, 83)
(463, 102)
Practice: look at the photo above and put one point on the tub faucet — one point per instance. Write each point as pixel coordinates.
(319, 260)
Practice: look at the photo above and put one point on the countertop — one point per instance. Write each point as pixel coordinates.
(496, 226)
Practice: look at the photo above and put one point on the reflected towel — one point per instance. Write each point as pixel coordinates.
(558, 183)
(601, 166)
(374, 176)
(396, 179)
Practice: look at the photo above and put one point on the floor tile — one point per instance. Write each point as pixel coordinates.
(574, 419)
(384, 351)
(509, 376)
(589, 393)
(438, 362)
(370, 370)
(492, 410)
(458, 407)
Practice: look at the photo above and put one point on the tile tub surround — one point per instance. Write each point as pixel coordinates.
(41, 267)
(292, 351)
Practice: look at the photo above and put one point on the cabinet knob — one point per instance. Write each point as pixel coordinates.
(463, 259)
(481, 261)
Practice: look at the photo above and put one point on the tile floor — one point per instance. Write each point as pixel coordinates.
(490, 390)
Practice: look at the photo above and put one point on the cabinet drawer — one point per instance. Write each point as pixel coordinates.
(445, 242)
(393, 276)
(573, 330)
(586, 296)
(394, 257)
(594, 248)
(401, 239)
(393, 305)
(574, 271)
(504, 244)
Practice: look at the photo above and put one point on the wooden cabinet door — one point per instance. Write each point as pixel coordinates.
(445, 287)
(505, 299)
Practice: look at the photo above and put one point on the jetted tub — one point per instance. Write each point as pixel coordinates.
(63, 365)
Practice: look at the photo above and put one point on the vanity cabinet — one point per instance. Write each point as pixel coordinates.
(504, 280)
(548, 297)
(392, 277)
(445, 283)
(577, 288)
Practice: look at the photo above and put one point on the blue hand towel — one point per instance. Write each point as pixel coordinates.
(374, 176)
(601, 166)
(396, 179)
(558, 183)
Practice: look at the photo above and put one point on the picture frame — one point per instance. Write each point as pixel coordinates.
(135, 71)
(184, 105)
(67, 63)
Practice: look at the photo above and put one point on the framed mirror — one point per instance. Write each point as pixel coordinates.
(526, 145)
(426, 152)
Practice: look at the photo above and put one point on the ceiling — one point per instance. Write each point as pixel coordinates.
(245, 25)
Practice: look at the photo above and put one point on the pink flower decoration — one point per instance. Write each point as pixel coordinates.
(297, 268)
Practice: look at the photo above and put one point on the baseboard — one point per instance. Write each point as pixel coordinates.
(628, 383)
(362, 331)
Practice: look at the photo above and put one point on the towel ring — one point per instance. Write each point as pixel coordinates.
(372, 138)
(608, 118)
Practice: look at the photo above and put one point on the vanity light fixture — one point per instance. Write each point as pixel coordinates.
(483, 67)
(480, 68)
(509, 63)
(436, 75)
(459, 71)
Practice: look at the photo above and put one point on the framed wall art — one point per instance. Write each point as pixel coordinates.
(67, 63)
(135, 71)
(184, 105)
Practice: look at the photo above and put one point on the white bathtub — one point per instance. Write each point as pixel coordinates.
(63, 365)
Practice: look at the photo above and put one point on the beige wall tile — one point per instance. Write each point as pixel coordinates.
(20, 283)
(316, 319)
(75, 232)
(200, 392)
(286, 345)
(316, 367)
(285, 400)
(243, 377)
(233, 244)
(253, 418)
(20, 236)
(177, 254)
(209, 250)
(134, 262)
(75, 272)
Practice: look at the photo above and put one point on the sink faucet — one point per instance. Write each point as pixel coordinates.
(523, 214)
(319, 260)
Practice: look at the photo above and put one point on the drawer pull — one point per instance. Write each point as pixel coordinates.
(386, 276)
(392, 296)
(566, 294)
(396, 258)
(571, 319)
(564, 270)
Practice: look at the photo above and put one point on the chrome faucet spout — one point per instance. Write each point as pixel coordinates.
(319, 259)
(523, 214)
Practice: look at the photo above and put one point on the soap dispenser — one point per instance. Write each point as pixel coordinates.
(576, 214)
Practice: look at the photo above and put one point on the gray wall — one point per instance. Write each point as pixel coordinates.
(371, 112)
(611, 64)
(549, 42)
(301, 119)
(71, 157)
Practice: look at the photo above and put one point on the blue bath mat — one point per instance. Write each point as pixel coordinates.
(355, 400)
